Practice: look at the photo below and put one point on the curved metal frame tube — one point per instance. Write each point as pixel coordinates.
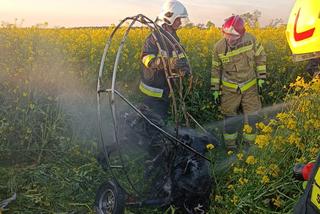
(112, 101)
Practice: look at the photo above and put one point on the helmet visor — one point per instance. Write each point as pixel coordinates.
(180, 22)
(231, 38)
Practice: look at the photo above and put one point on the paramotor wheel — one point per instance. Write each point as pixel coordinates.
(110, 199)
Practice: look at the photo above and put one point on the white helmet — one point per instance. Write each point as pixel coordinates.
(171, 10)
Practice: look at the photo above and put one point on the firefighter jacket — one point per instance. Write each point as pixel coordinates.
(153, 80)
(309, 203)
(237, 68)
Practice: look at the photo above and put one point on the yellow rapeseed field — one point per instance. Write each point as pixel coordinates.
(54, 171)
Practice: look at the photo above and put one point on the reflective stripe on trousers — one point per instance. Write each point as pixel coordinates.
(249, 137)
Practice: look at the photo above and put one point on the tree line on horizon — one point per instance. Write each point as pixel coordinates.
(251, 18)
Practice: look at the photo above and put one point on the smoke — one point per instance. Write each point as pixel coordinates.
(264, 115)
(224, 161)
(52, 77)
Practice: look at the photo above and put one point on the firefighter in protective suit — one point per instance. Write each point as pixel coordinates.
(238, 75)
(153, 84)
(303, 35)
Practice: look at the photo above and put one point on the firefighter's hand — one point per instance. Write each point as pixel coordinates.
(186, 71)
(156, 63)
(216, 97)
(181, 65)
(178, 64)
(261, 83)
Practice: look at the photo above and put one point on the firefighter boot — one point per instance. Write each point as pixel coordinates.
(230, 133)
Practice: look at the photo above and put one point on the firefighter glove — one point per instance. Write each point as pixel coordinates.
(156, 63)
(261, 83)
(216, 97)
(182, 65)
(186, 71)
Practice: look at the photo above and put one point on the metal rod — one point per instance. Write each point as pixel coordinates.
(105, 51)
(112, 103)
(107, 46)
(196, 122)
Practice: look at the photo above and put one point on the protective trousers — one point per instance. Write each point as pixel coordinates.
(160, 106)
(232, 102)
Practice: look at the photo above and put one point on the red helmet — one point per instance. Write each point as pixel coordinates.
(234, 25)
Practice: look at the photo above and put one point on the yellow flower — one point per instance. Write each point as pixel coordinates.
(265, 179)
(291, 124)
(298, 78)
(31, 106)
(262, 140)
(240, 156)
(272, 122)
(247, 129)
(301, 160)
(251, 160)
(260, 125)
(230, 152)
(313, 151)
(210, 146)
(243, 181)
(282, 116)
(235, 200)
(238, 170)
(299, 84)
(316, 124)
(276, 201)
(294, 139)
(304, 106)
(274, 170)
(264, 128)
(261, 170)
(218, 198)
(267, 129)
(230, 187)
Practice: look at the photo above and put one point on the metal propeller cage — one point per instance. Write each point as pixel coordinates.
(113, 93)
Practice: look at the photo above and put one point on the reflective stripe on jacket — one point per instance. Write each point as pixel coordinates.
(150, 91)
(234, 67)
(240, 87)
(148, 58)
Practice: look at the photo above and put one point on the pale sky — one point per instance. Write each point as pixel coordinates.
(71, 13)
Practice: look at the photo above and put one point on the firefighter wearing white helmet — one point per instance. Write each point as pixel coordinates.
(238, 74)
(303, 35)
(153, 83)
(172, 10)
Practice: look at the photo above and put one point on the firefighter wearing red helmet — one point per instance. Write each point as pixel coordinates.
(238, 74)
